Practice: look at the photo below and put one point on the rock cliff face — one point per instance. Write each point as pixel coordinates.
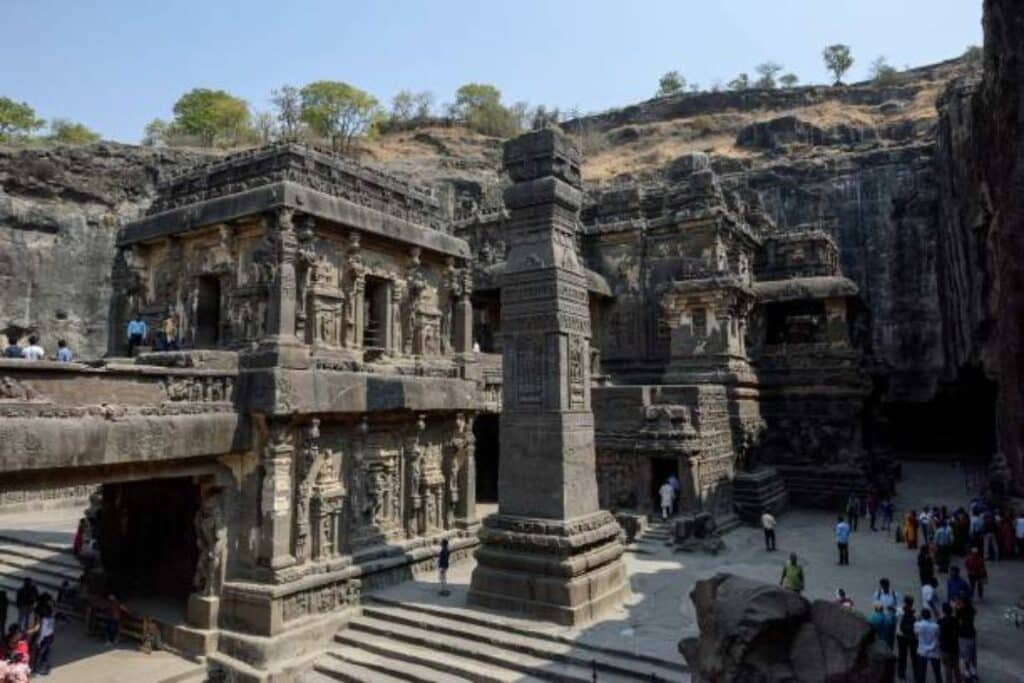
(59, 213)
(980, 153)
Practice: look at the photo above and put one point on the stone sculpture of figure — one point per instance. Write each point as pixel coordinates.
(211, 538)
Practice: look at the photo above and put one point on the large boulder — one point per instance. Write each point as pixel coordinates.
(754, 632)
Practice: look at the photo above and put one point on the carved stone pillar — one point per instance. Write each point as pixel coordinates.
(280, 347)
(550, 551)
(414, 480)
(463, 326)
(465, 508)
(276, 498)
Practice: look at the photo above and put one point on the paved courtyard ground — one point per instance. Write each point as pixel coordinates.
(659, 612)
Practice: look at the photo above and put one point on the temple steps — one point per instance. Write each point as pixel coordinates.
(417, 642)
(48, 565)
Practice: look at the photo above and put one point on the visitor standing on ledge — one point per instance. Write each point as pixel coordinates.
(34, 351)
(64, 354)
(843, 540)
(792, 575)
(768, 524)
(137, 332)
(443, 560)
(12, 350)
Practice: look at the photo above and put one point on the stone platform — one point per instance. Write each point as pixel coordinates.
(755, 493)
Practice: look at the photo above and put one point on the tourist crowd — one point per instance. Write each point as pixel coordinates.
(34, 351)
(937, 633)
(28, 642)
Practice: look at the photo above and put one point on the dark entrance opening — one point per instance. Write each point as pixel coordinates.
(486, 430)
(795, 322)
(661, 470)
(208, 312)
(375, 313)
(147, 538)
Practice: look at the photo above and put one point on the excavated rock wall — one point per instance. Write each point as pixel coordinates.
(60, 209)
(980, 154)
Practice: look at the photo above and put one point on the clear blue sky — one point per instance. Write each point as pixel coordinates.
(117, 64)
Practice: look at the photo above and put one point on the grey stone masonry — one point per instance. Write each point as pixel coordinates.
(549, 551)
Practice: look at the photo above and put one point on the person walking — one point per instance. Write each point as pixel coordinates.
(44, 644)
(943, 546)
(925, 565)
(927, 632)
(872, 506)
(961, 532)
(1018, 532)
(137, 332)
(12, 350)
(677, 487)
(930, 596)
(881, 623)
(977, 573)
(949, 645)
(25, 600)
(964, 613)
(443, 561)
(792, 575)
(169, 327)
(854, 510)
(888, 510)
(34, 351)
(910, 530)
(906, 641)
(843, 541)
(956, 587)
(990, 544)
(768, 524)
(666, 494)
(886, 596)
(924, 526)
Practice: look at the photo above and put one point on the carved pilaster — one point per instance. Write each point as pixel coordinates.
(280, 346)
(414, 479)
(309, 463)
(276, 497)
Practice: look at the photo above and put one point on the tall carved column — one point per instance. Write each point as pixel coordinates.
(464, 313)
(550, 551)
(276, 498)
(279, 346)
(464, 484)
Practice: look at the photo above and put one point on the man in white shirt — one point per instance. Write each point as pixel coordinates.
(34, 351)
(927, 632)
(768, 524)
(667, 495)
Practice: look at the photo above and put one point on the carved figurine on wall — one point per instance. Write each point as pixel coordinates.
(211, 538)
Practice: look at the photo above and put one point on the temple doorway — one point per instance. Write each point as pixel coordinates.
(486, 430)
(376, 297)
(208, 312)
(661, 470)
(147, 538)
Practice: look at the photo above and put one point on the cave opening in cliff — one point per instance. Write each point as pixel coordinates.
(958, 423)
(486, 431)
(208, 312)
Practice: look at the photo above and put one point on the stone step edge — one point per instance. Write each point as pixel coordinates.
(399, 670)
(28, 564)
(330, 666)
(502, 638)
(55, 556)
(55, 547)
(554, 637)
(40, 579)
(403, 638)
(455, 664)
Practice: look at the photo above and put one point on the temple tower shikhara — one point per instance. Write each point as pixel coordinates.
(550, 551)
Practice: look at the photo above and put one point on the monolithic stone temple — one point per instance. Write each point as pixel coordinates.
(340, 335)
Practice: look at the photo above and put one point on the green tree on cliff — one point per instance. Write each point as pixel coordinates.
(789, 80)
(882, 72)
(213, 116)
(838, 60)
(741, 82)
(17, 120)
(479, 107)
(670, 84)
(70, 133)
(338, 111)
(288, 104)
(767, 72)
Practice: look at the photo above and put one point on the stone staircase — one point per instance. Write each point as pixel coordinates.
(659, 531)
(394, 641)
(47, 564)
